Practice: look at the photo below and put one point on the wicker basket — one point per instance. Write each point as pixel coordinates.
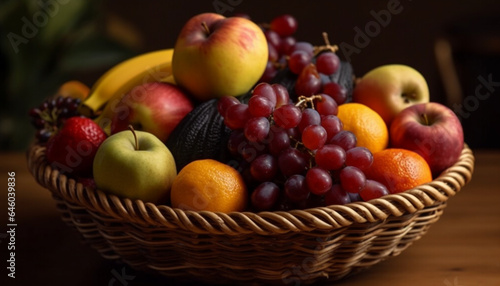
(299, 246)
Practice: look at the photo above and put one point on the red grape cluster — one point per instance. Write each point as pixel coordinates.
(296, 155)
(49, 116)
(280, 42)
(312, 65)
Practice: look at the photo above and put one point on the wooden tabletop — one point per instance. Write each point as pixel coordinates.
(461, 249)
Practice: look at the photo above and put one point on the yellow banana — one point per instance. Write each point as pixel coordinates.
(120, 79)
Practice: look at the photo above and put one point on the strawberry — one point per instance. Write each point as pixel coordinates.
(73, 147)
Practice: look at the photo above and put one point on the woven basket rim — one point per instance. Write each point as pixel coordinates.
(264, 223)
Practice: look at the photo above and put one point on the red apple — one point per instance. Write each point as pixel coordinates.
(432, 130)
(154, 107)
(389, 89)
(216, 56)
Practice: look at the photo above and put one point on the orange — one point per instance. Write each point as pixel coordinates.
(209, 185)
(74, 89)
(368, 126)
(399, 169)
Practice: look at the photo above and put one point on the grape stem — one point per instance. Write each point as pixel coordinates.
(297, 144)
(265, 25)
(303, 100)
(326, 47)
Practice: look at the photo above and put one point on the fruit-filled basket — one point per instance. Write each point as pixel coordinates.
(243, 156)
(282, 247)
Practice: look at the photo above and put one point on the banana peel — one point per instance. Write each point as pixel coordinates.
(120, 79)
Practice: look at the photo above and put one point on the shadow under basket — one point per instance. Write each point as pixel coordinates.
(293, 247)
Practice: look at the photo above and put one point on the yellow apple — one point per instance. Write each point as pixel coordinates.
(389, 89)
(216, 56)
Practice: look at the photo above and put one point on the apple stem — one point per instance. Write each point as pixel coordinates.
(205, 26)
(424, 117)
(135, 137)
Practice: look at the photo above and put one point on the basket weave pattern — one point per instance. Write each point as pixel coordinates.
(298, 246)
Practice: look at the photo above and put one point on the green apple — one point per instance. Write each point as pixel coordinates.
(389, 89)
(216, 56)
(135, 165)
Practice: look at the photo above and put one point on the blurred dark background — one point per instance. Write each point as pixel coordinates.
(454, 44)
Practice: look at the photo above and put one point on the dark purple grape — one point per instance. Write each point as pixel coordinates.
(309, 81)
(224, 102)
(236, 116)
(62, 101)
(330, 157)
(359, 157)
(298, 61)
(282, 96)
(337, 196)
(266, 90)
(287, 116)
(314, 137)
(309, 117)
(326, 105)
(284, 25)
(336, 91)
(318, 180)
(278, 140)
(332, 125)
(287, 44)
(51, 115)
(236, 142)
(264, 168)
(345, 139)
(273, 54)
(260, 106)
(269, 72)
(304, 46)
(291, 161)
(43, 106)
(373, 190)
(64, 113)
(296, 189)
(34, 112)
(251, 150)
(256, 129)
(352, 179)
(327, 63)
(273, 38)
(355, 197)
(265, 196)
(43, 135)
(39, 123)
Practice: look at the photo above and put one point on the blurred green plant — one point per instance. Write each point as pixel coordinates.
(43, 44)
